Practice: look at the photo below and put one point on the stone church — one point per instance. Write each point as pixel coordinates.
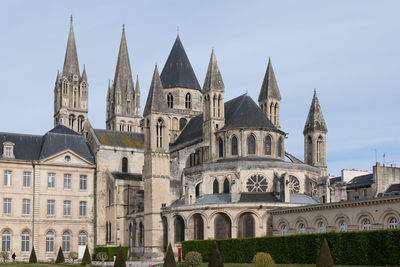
(195, 166)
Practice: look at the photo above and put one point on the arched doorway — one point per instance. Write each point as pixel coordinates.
(246, 225)
(198, 227)
(179, 225)
(222, 226)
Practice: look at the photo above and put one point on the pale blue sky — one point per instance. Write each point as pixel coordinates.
(348, 50)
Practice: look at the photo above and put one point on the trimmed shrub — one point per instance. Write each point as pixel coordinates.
(111, 252)
(5, 255)
(120, 260)
(215, 257)
(60, 256)
(324, 258)
(86, 257)
(193, 258)
(101, 256)
(376, 248)
(169, 260)
(73, 256)
(33, 258)
(262, 259)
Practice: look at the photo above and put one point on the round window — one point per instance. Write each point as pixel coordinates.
(67, 158)
(257, 183)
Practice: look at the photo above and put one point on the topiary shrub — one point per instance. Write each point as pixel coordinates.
(5, 255)
(60, 256)
(111, 252)
(193, 258)
(73, 256)
(86, 257)
(263, 259)
(33, 258)
(120, 259)
(101, 256)
(325, 258)
(169, 258)
(215, 257)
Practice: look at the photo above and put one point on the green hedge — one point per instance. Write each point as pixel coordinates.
(378, 247)
(112, 251)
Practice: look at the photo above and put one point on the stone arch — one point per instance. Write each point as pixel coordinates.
(222, 225)
(251, 144)
(179, 229)
(299, 222)
(215, 186)
(226, 186)
(234, 145)
(364, 215)
(339, 219)
(246, 225)
(259, 219)
(317, 220)
(386, 215)
(175, 123)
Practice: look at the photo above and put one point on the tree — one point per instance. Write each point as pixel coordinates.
(5, 255)
(73, 256)
(101, 256)
(120, 260)
(32, 258)
(60, 256)
(86, 257)
(169, 258)
(325, 258)
(215, 258)
(193, 258)
(262, 259)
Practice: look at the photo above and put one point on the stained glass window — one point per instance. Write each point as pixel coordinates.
(257, 183)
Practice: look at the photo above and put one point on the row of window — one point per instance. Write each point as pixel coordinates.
(251, 146)
(25, 241)
(188, 101)
(51, 180)
(26, 207)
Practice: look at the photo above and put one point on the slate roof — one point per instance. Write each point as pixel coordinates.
(258, 197)
(127, 176)
(178, 71)
(34, 147)
(361, 181)
(193, 131)
(334, 180)
(315, 120)
(71, 65)
(393, 188)
(155, 100)
(120, 139)
(269, 88)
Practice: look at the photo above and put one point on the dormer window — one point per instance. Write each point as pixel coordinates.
(8, 150)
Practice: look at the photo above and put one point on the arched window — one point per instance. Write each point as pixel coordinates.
(188, 101)
(321, 227)
(302, 228)
(6, 241)
(309, 150)
(198, 225)
(159, 130)
(179, 229)
(25, 241)
(319, 144)
(246, 225)
(219, 106)
(366, 225)
(197, 190)
(251, 145)
(165, 233)
(393, 223)
(276, 114)
(226, 186)
(222, 226)
(234, 147)
(343, 226)
(107, 232)
(50, 241)
(170, 100)
(215, 187)
(66, 242)
(268, 142)
(133, 237)
(141, 236)
(124, 164)
(82, 239)
(279, 147)
(182, 123)
(220, 148)
(271, 112)
(284, 230)
(214, 106)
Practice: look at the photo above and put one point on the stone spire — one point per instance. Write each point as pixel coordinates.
(123, 74)
(137, 95)
(269, 88)
(213, 80)
(155, 100)
(315, 119)
(84, 76)
(71, 65)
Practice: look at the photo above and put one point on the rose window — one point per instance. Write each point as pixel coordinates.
(294, 185)
(257, 183)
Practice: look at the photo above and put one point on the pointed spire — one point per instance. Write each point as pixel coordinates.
(137, 96)
(123, 74)
(178, 71)
(137, 87)
(155, 100)
(315, 119)
(71, 65)
(269, 88)
(213, 80)
(84, 76)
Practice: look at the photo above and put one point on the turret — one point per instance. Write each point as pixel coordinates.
(213, 109)
(270, 97)
(315, 131)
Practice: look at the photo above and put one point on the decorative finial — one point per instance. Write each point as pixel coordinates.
(71, 19)
(177, 30)
(123, 27)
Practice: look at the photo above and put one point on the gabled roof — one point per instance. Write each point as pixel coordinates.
(178, 71)
(71, 65)
(269, 88)
(315, 119)
(213, 80)
(26, 147)
(120, 139)
(361, 181)
(123, 75)
(393, 188)
(61, 129)
(155, 100)
(192, 132)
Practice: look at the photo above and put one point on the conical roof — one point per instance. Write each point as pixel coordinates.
(213, 80)
(155, 100)
(178, 71)
(269, 88)
(71, 65)
(84, 75)
(123, 74)
(315, 119)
